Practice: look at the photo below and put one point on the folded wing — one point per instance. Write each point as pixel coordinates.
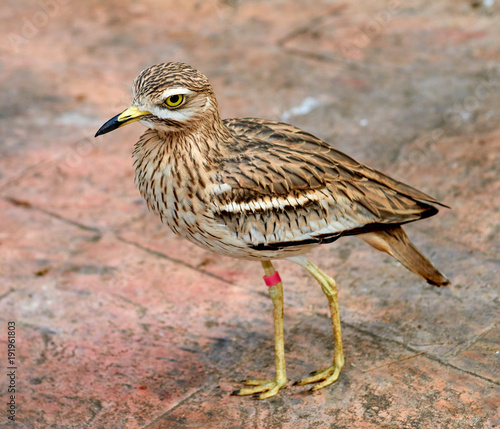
(284, 187)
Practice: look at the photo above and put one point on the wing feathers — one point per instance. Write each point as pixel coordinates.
(303, 190)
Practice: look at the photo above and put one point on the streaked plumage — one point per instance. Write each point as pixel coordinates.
(257, 189)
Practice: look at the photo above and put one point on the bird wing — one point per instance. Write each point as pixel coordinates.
(284, 187)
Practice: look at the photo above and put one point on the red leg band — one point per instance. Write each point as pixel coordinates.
(273, 279)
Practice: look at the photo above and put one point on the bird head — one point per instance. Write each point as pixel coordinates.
(168, 97)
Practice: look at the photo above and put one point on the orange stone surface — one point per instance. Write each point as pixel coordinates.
(121, 324)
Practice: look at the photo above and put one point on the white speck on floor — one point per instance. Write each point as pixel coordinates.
(304, 108)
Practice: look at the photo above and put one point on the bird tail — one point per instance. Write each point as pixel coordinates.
(396, 243)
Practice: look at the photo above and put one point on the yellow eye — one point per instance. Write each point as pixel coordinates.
(174, 100)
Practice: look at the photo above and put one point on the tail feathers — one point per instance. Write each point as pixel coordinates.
(396, 243)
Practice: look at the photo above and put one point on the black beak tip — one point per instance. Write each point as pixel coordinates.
(109, 126)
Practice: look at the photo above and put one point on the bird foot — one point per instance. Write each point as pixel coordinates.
(324, 377)
(261, 389)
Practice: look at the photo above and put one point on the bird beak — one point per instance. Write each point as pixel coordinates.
(128, 116)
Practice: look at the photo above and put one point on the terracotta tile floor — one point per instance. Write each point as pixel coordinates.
(120, 324)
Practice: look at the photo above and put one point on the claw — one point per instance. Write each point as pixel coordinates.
(261, 389)
(324, 377)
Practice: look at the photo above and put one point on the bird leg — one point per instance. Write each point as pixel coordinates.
(263, 389)
(327, 376)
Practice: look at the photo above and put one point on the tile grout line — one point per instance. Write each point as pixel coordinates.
(173, 408)
(30, 170)
(98, 234)
(217, 373)
(476, 338)
(174, 260)
(413, 350)
(27, 205)
(6, 294)
(312, 24)
(449, 240)
(354, 327)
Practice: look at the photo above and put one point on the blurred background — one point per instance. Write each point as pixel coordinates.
(122, 324)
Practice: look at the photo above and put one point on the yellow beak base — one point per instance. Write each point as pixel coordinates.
(128, 116)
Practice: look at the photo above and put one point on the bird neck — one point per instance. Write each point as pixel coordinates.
(187, 155)
(203, 144)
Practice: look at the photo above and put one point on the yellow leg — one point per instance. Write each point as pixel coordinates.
(263, 389)
(327, 376)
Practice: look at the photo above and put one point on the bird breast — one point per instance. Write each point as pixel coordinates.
(175, 186)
